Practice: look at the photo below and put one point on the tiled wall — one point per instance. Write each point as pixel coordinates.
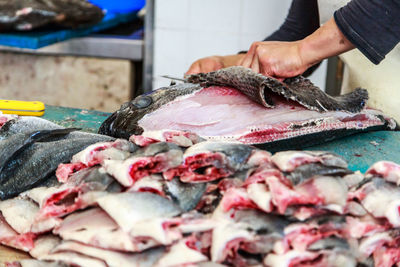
(186, 30)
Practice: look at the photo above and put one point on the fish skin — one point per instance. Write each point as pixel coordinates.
(39, 162)
(299, 89)
(18, 142)
(26, 15)
(330, 243)
(260, 222)
(304, 172)
(236, 154)
(186, 195)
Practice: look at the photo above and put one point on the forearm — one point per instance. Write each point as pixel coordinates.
(326, 42)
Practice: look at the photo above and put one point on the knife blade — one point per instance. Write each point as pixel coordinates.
(174, 78)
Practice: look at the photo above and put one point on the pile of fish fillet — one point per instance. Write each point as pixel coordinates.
(183, 201)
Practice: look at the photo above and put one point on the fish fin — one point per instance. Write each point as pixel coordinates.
(30, 139)
(310, 96)
(41, 135)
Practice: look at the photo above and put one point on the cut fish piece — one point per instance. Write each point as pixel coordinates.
(227, 237)
(381, 199)
(35, 263)
(94, 227)
(180, 138)
(10, 238)
(155, 158)
(97, 153)
(19, 213)
(180, 254)
(112, 258)
(81, 191)
(22, 216)
(4, 118)
(208, 161)
(388, 170)
(136, 207)
(288, 161)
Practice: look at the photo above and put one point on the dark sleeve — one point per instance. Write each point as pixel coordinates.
(302, 20)
(373, 26)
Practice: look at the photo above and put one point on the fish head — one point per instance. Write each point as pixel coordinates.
(124, 122)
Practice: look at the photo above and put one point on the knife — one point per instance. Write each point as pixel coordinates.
(23, 108)
(174, 78)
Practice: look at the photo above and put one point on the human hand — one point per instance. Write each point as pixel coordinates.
(276, 59)
(214, 63)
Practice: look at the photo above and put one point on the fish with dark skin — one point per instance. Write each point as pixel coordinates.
(237, 105)
(32, 149)
(12, 146)
(37, 163)
(24, 15)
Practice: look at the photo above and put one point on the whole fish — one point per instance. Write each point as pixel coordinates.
(247, 107)
(38, 163)
(32, 149)
(24, 15)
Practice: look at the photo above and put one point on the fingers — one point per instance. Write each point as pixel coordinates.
(255, 64)
(194, 68)
(248, 59)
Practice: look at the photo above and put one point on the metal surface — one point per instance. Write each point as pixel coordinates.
(93, 46)
(149, 47)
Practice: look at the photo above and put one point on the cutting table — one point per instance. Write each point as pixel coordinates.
(361, 150)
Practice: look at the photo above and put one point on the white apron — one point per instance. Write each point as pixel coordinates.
(382, 81)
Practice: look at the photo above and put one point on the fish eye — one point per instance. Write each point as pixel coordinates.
(142, 101)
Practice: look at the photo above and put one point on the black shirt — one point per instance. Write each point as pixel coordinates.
(373, 26)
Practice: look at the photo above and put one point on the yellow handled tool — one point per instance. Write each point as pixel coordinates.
(23, 108)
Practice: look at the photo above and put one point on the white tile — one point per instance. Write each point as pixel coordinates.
(245, 40)
(203, 44)
(171, 14)
(169, 52)
(263, 16)
(215, 15)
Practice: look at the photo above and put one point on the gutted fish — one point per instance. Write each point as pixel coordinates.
(24, 15)
(224, 113)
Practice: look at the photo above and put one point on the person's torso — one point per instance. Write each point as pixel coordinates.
(382, 81)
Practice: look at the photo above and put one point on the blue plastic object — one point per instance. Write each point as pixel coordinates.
(38, 39)
(119, 6)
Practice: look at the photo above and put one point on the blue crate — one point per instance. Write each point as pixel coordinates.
(120, 6)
